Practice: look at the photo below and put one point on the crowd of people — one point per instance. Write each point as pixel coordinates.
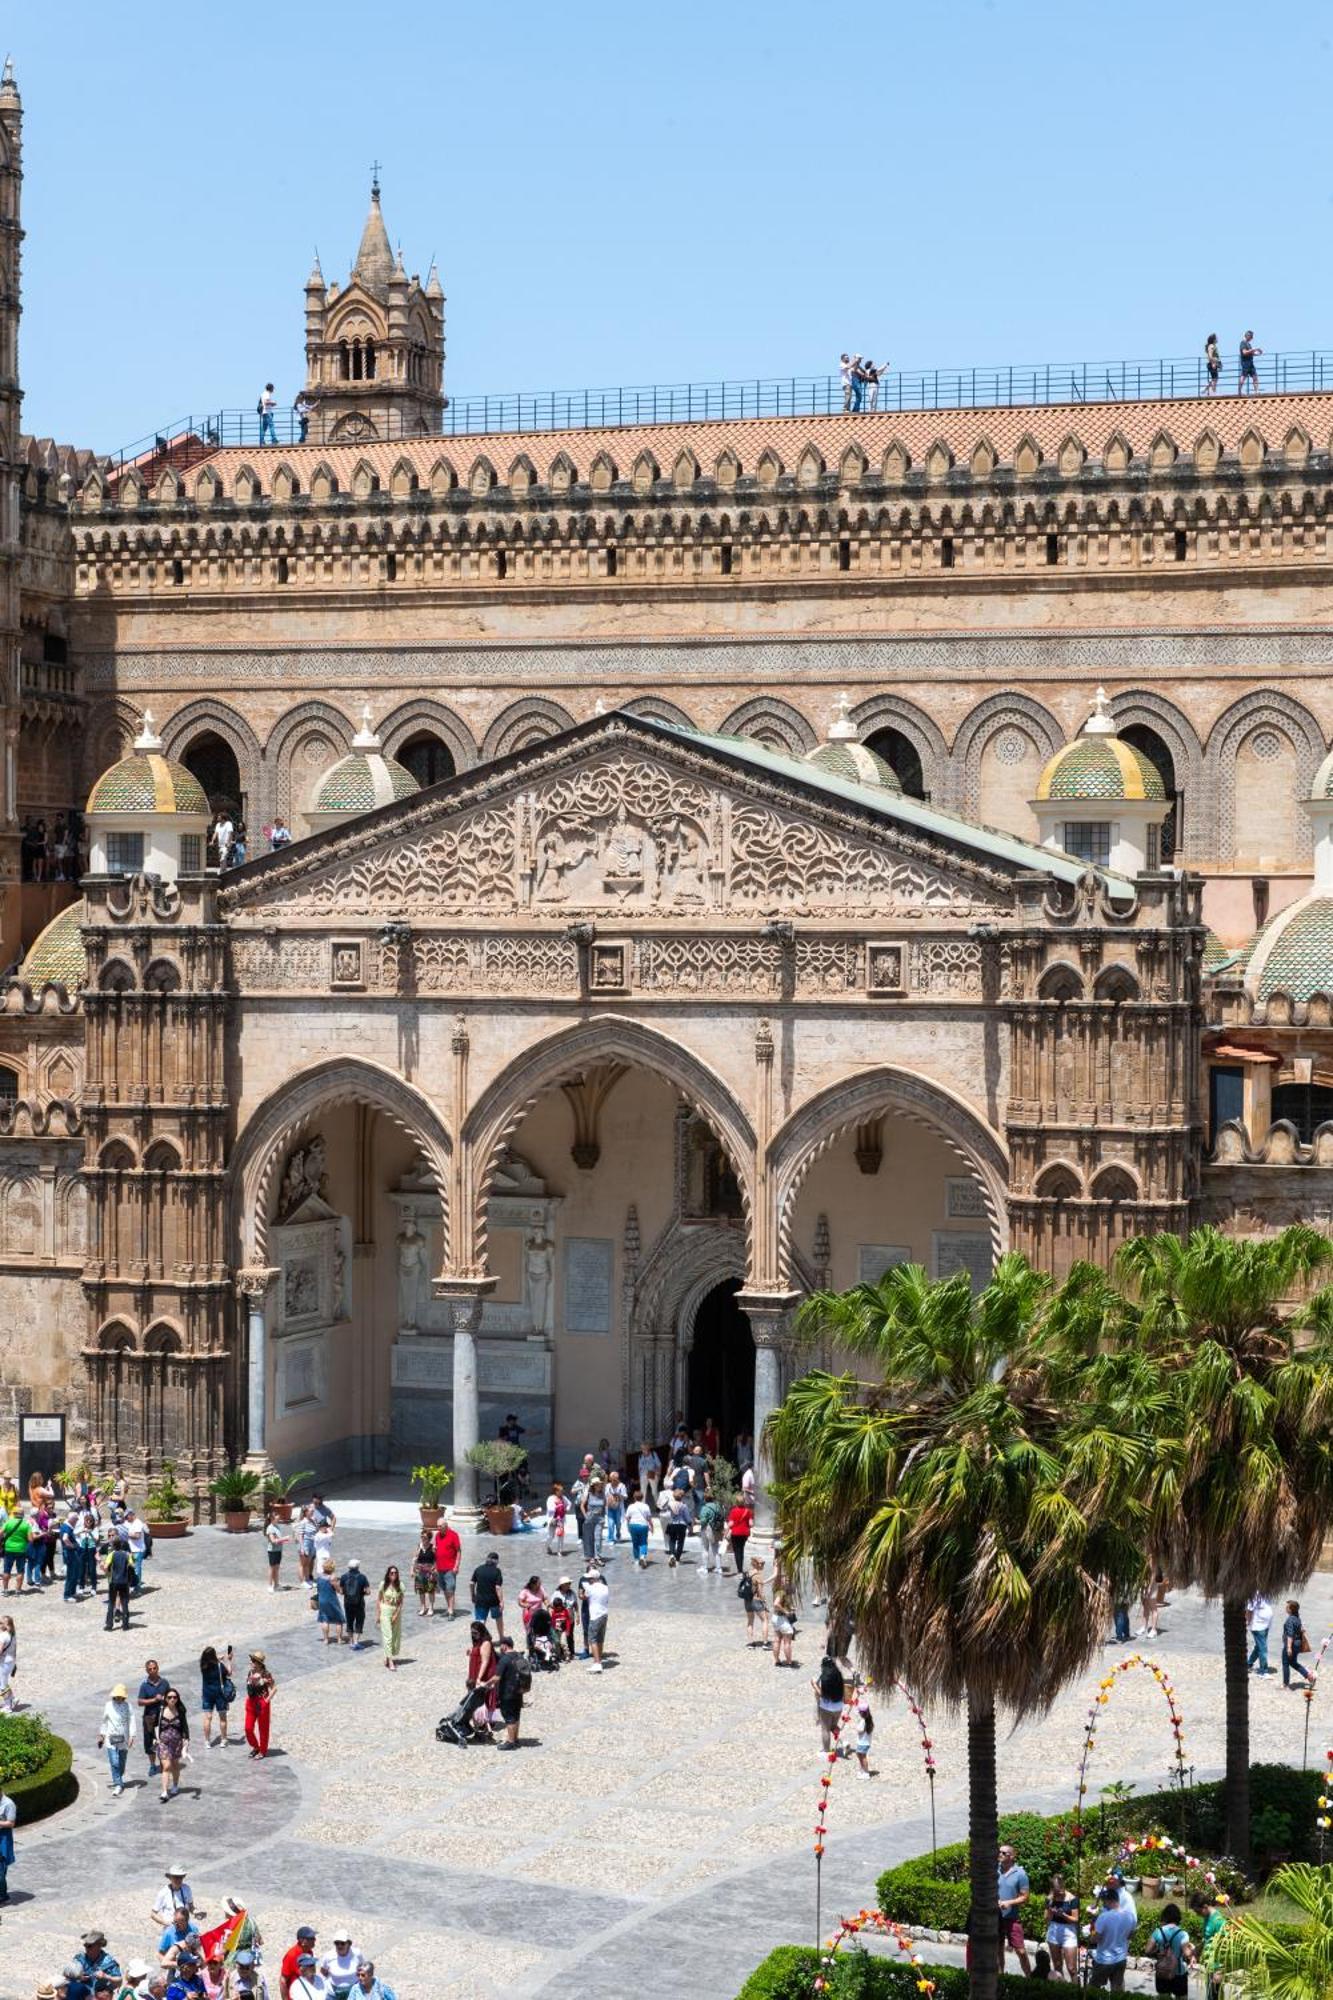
(54, 852)
(183, 1958)
(1108, 1930)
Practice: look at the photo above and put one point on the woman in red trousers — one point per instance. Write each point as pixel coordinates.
(259, 1691)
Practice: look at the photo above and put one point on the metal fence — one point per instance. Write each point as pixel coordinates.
(1013, 385)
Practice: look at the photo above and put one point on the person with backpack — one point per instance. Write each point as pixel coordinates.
(355, 1586)
(513, 1679)
(1172, 1953)
(1294, 1643)
(740, 1523)
(710, 1538)
(750, 1591)
(830, 1693)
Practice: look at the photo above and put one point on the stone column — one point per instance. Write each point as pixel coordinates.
(769, 1314)
(465, 1297)
(252, 1287)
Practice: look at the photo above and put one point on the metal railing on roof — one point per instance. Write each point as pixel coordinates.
(1029, 384)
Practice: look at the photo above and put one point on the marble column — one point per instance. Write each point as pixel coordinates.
(769, 1314)
(252, 1288)
(465, 1297)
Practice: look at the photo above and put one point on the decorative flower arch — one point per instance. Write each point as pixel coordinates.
(871, 1920)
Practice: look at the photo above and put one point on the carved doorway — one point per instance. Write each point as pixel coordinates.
(720, 1374)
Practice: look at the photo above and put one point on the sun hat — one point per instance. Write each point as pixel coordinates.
(93, 1937)
(136, 1969)
(174, 1870)
(259, 1657)
(352, 1563)
(343, 1935)
(119, 1692)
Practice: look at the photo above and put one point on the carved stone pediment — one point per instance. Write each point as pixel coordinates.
(619, 820)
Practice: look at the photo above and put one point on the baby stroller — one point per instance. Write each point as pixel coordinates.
(457, 1727)
(543, 1651)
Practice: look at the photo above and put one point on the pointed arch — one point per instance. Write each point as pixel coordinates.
(522, 723)
(1291, 719)
(412, 717)
(184, 728)
(294, 1105)
(308, 722)
(987, 719)
(772, 722)
(1138, 708)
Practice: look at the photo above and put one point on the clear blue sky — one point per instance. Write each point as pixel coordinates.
(622, 194)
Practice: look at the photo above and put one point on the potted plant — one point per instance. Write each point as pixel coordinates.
(236, 1489)
(430, 1482)
(278, 1488)
(165, 1508)
(499, 1460)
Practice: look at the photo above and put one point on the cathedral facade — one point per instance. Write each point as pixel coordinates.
(716, 874)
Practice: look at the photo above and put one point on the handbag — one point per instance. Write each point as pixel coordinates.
(228, 1689)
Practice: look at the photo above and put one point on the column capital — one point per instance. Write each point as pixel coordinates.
(254, 1281)
(464, 1298)
(769, 1314)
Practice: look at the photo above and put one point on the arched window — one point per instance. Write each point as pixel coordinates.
(428, 759)
(370, 360)
(1307, 1105)
(344, 361)
(213, 761)
(1149, 744)
(9, 1084)
(903, 758)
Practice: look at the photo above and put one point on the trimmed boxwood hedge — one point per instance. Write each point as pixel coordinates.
(789, 1972)
(45, 1790)
(934, 1894)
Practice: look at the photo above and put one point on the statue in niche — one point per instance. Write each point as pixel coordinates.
(411, 1271)
(539, 1270)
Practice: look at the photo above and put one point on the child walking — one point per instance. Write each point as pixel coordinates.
(865, 1729)
(750, 1591)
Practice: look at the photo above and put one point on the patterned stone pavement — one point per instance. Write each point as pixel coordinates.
(658, 1816)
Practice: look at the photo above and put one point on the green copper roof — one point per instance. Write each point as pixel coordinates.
(56, 956)
(1100, 767)
(856, 762)
(360, 782)
(895, 807)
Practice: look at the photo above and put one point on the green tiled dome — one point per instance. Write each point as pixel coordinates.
(56, 956)
(1300, 961)
(1322, 788)
(148, 783)
(1100, 767)
(360, 782)
(854, 762)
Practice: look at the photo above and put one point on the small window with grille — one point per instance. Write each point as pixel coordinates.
(124, 853)
(192, 853)
(1088, 840)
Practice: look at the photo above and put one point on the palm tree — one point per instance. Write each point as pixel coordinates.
(973, 1531)
(1271, 1968)
(1241, 1491)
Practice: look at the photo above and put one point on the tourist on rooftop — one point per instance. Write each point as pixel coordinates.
(1212, 355)
(870, 375)
(851, 385)
(268, 430)
(1249, 374)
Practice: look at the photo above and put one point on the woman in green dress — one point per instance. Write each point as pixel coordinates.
(391, 1616)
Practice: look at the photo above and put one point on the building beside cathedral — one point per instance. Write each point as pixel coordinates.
(731, 857)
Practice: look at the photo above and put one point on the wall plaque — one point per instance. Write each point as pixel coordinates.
(589, 1263)
(874, 1259)
(964, 1201)
(955, 1251)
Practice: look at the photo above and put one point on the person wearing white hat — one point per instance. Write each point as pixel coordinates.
(340, 1965)
(137, 1975)
(115, 1735)
(175, 1894)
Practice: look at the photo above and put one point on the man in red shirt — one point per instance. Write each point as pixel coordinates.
(291, 1959)
(448, 1555)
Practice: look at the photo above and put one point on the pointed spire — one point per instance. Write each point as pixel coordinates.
(841, 728)
(8, 87)
(365, 738)
(1101, 722)
(374, 258)
(399, 269)
(148, 738)
(434, 289)
(315, 282)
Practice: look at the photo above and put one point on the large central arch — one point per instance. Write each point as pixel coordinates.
(815, 1127)
(337, 1080)
(506, 1100)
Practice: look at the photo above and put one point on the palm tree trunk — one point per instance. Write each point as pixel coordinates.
(1236, 1793)
(983, 1832)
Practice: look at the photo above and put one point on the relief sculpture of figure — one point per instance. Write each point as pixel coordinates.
(539, 1262)
(411, 1269)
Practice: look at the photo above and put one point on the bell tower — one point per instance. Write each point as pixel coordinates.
(11, 238)
(374, 347)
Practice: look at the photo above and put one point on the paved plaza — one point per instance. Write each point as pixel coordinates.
(658, 1816)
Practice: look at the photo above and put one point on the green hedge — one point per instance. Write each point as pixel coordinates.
(46, 1790)
(934, 1892)
(788, 1974)
(25, 1745)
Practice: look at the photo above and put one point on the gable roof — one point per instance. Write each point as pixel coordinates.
(983, 851)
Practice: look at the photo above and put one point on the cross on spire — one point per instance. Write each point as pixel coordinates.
(375, 179)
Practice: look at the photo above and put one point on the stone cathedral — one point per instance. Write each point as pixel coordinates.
(730, 858)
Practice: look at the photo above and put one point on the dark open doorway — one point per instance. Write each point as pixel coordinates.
(721, 1380)
(213, 761)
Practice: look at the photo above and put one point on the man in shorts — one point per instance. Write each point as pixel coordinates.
(1013, 1893)
(1249, 373)
(448, 1556)
(1112, 1928)
(509, 1678)
(488, 1593)
(595, 1592)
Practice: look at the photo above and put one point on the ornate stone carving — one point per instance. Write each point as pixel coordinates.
(466, 863)
(622, 832)
(829, 965)
(304, 1178)
(945, 966)
(707, 965)
(587, 1094)
(508, 963)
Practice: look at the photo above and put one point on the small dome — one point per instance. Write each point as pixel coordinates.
(148, 782)
(56, 956)
(363, 779)
(1098, 766)
(1299, 961)
(843, 755)
(1322, 788)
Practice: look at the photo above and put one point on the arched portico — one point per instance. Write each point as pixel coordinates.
(309, 1247)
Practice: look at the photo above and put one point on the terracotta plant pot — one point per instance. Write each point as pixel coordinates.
(500, 1520)
(281, 1510)
(1152, 1887)
(237, 1520)
(430, 1518)
(168, 1531)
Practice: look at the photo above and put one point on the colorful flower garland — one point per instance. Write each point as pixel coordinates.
(1157, 1843)
(877, 1921)
(1098, 1703)
(1323, 1821)
(832, 1757)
